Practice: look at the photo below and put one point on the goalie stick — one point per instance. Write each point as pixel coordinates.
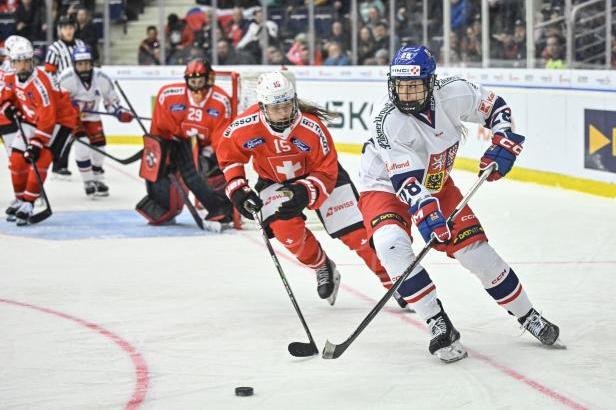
(297, 349)
(334, 351)
(135, 157)
(45, 213)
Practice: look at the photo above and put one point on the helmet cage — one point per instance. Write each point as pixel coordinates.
(420, 100)
(281, 124)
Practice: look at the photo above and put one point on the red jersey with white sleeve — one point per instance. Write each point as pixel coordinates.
(176, 114)
(303, 153)
(36, 99)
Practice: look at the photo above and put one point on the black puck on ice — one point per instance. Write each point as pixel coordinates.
(244, 391)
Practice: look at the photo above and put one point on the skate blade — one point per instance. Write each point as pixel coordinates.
(558, 345)
(101, 194)
(11, 218)
(22, 222)
(452, 353)
(332, 298)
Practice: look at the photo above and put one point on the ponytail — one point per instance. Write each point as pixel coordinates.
(320, 112)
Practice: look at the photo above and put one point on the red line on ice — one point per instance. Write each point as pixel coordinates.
(565, 401)
(141, 367)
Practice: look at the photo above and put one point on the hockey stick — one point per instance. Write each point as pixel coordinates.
(136, 156)
(188, 204)
(130, 106)
(333, 351)
(45, 213)
(113, 115)
(297, 349)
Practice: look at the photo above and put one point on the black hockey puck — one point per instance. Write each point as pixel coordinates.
(244, 391)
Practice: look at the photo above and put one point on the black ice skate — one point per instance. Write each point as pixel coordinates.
(445, 343)
(24, 213)
(101, 188)
(12, 210)
(328, 281)
(545, 331)
(61, 173)
(90, 188)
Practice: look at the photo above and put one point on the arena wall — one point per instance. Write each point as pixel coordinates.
(568, 116)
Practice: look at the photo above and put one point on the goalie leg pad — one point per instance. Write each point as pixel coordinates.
(498, 279)
(183, 159)
(393, 247)
(162, 203)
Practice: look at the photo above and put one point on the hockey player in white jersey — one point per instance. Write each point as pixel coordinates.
(87, 87)
(404, 177)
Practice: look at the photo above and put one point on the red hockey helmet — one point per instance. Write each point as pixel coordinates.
(199, 75)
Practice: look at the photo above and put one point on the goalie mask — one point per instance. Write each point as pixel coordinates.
(199, 77)
(411, 79)
(277, 100)
(21, 54)
(82, 61)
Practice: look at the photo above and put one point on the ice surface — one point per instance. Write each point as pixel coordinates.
(98, 309)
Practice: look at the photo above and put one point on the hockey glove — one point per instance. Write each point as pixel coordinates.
(245, 199)
(123, 115)
(33, 150)
(297, 202)
(429, 219)
(9, 111)
(505, 148)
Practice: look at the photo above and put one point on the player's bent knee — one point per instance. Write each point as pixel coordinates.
(482, 260)
(393, 247)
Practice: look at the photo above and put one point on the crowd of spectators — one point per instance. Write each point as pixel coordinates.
(246, 36)
(28, 18)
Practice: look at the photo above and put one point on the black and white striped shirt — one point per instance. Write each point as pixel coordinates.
(59, 55)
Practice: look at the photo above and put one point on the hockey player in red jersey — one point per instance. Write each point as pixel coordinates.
(195, 108)
(293, 153)
(28, 93)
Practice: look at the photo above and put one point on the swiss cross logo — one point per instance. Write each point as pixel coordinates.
(195, 130)
(287, 167)
(150, 159)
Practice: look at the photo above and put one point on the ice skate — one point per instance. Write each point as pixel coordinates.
(545, 331)
(445, 343)
(24, 213)
(12, 210)
(328, 281)
(101, 189)
(90, 188)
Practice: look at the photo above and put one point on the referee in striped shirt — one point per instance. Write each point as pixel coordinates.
(59, 57)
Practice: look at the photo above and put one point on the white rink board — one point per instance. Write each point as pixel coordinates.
(548, 106)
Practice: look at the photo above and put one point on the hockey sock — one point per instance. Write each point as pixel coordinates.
(292, 233)
(498, 279)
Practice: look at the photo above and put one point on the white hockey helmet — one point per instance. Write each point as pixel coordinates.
(274, 88)
(19, 48)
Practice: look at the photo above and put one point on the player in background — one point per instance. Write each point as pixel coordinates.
(8, 128)
(294, 156)
(58, 59)
(404, 176)
(195, 108)
(87, 87)
(29, 94)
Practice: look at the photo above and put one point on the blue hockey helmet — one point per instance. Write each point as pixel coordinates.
(80, 54)
(411, 63)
